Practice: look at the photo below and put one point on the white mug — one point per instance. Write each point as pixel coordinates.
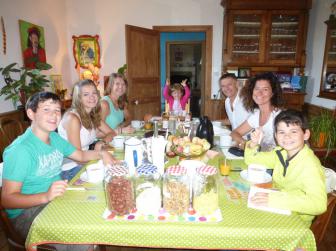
(118, 142)
(256, 173)
(225, 140)
(137, 124)
(95, 173)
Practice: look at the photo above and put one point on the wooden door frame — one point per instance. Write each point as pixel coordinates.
(208, 56)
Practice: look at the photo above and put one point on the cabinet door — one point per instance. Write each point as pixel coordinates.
(246, 37)
(285, 38)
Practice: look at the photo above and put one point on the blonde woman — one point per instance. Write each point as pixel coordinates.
(82, 125)
(114, 105)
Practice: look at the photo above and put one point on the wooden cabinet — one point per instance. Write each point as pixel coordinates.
(328, 78)
(294, 100)
(265, 33)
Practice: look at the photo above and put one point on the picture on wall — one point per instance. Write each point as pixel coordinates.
(244, 72)
(86, 51)
(32, 44)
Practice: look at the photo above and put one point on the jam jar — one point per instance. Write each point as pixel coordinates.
(119, 190)
(205, 190)
(148, 189)
(176, 190)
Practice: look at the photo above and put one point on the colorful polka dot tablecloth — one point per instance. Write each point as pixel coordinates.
(76, 217)
(164, 216)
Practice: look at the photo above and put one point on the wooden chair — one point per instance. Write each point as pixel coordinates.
(10, 129)
(321, 222)
(187, 107)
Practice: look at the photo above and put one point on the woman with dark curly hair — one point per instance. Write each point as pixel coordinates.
(263, 98)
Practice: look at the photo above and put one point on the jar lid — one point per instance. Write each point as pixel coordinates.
(146, 169)
(207, 170)
(117, 170)
(177, 170)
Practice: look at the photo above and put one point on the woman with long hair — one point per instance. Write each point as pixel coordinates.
(82, 125)
(263, 98)
(114, 105)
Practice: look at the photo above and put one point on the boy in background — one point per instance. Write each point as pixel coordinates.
(32, 165)
(297, 172)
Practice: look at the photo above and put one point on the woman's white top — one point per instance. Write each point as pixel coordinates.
(87, 137)
(267, 143)
(238, 114)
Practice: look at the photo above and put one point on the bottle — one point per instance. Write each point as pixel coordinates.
(119, 190)
(205, 130)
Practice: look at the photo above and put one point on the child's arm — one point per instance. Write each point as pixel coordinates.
(166, 90)
(186, 96)
(85, 156)
(252, 153)
(311, 199)
(11, 196)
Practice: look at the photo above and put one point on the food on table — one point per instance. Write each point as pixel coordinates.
(205, 190)
(183, 146)
(176, 193)
(119, 190)
(148, 189)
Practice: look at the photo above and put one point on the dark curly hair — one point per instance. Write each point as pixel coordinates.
(247, 92)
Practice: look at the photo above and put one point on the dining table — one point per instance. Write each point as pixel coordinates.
(77, 218)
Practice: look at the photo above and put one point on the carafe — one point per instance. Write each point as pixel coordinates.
(205, 130)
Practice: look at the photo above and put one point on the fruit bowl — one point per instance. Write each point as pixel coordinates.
(185, 147)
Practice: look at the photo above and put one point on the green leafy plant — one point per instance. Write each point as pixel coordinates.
(21, 83)
(323, 130)
(122, 70)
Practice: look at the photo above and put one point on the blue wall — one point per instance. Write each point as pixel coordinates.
(173, 36)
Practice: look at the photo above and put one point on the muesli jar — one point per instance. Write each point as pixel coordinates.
(176, 195)
(148, 189)
(205, 190)
(119, 190)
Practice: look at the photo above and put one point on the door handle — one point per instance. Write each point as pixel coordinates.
(136, 102)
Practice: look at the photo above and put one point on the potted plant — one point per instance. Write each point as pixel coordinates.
(26, 83)
(323, 130)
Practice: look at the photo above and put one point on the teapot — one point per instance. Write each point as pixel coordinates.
(134, 151)
(205, 130)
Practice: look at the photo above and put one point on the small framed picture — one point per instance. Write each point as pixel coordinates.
(86, 51)
(284, 77)
(244, 72)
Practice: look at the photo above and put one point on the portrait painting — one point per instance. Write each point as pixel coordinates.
(32, 44)
(86, 51)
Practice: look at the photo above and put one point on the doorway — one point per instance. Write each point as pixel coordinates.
(195, 33)
(184, 61)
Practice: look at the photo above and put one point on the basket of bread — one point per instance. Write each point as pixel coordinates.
(186, 147)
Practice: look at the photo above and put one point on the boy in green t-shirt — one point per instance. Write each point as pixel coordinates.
(32, 163)
(297, 172)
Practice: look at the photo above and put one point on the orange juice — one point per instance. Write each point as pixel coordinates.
(225, 169)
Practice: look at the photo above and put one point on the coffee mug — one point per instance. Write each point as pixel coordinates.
(256, 173)
(95, 173)
(118, 142)
(137, 124)
(225, 140)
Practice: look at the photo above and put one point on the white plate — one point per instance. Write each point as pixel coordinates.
(267, 178)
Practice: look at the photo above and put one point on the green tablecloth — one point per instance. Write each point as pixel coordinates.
(76, 217)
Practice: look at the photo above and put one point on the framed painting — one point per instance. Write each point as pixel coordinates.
(244, 72)
(32, 44)
(86, 51)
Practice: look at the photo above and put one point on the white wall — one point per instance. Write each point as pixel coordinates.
(315, 50)
(47, 13)
(107, 18)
